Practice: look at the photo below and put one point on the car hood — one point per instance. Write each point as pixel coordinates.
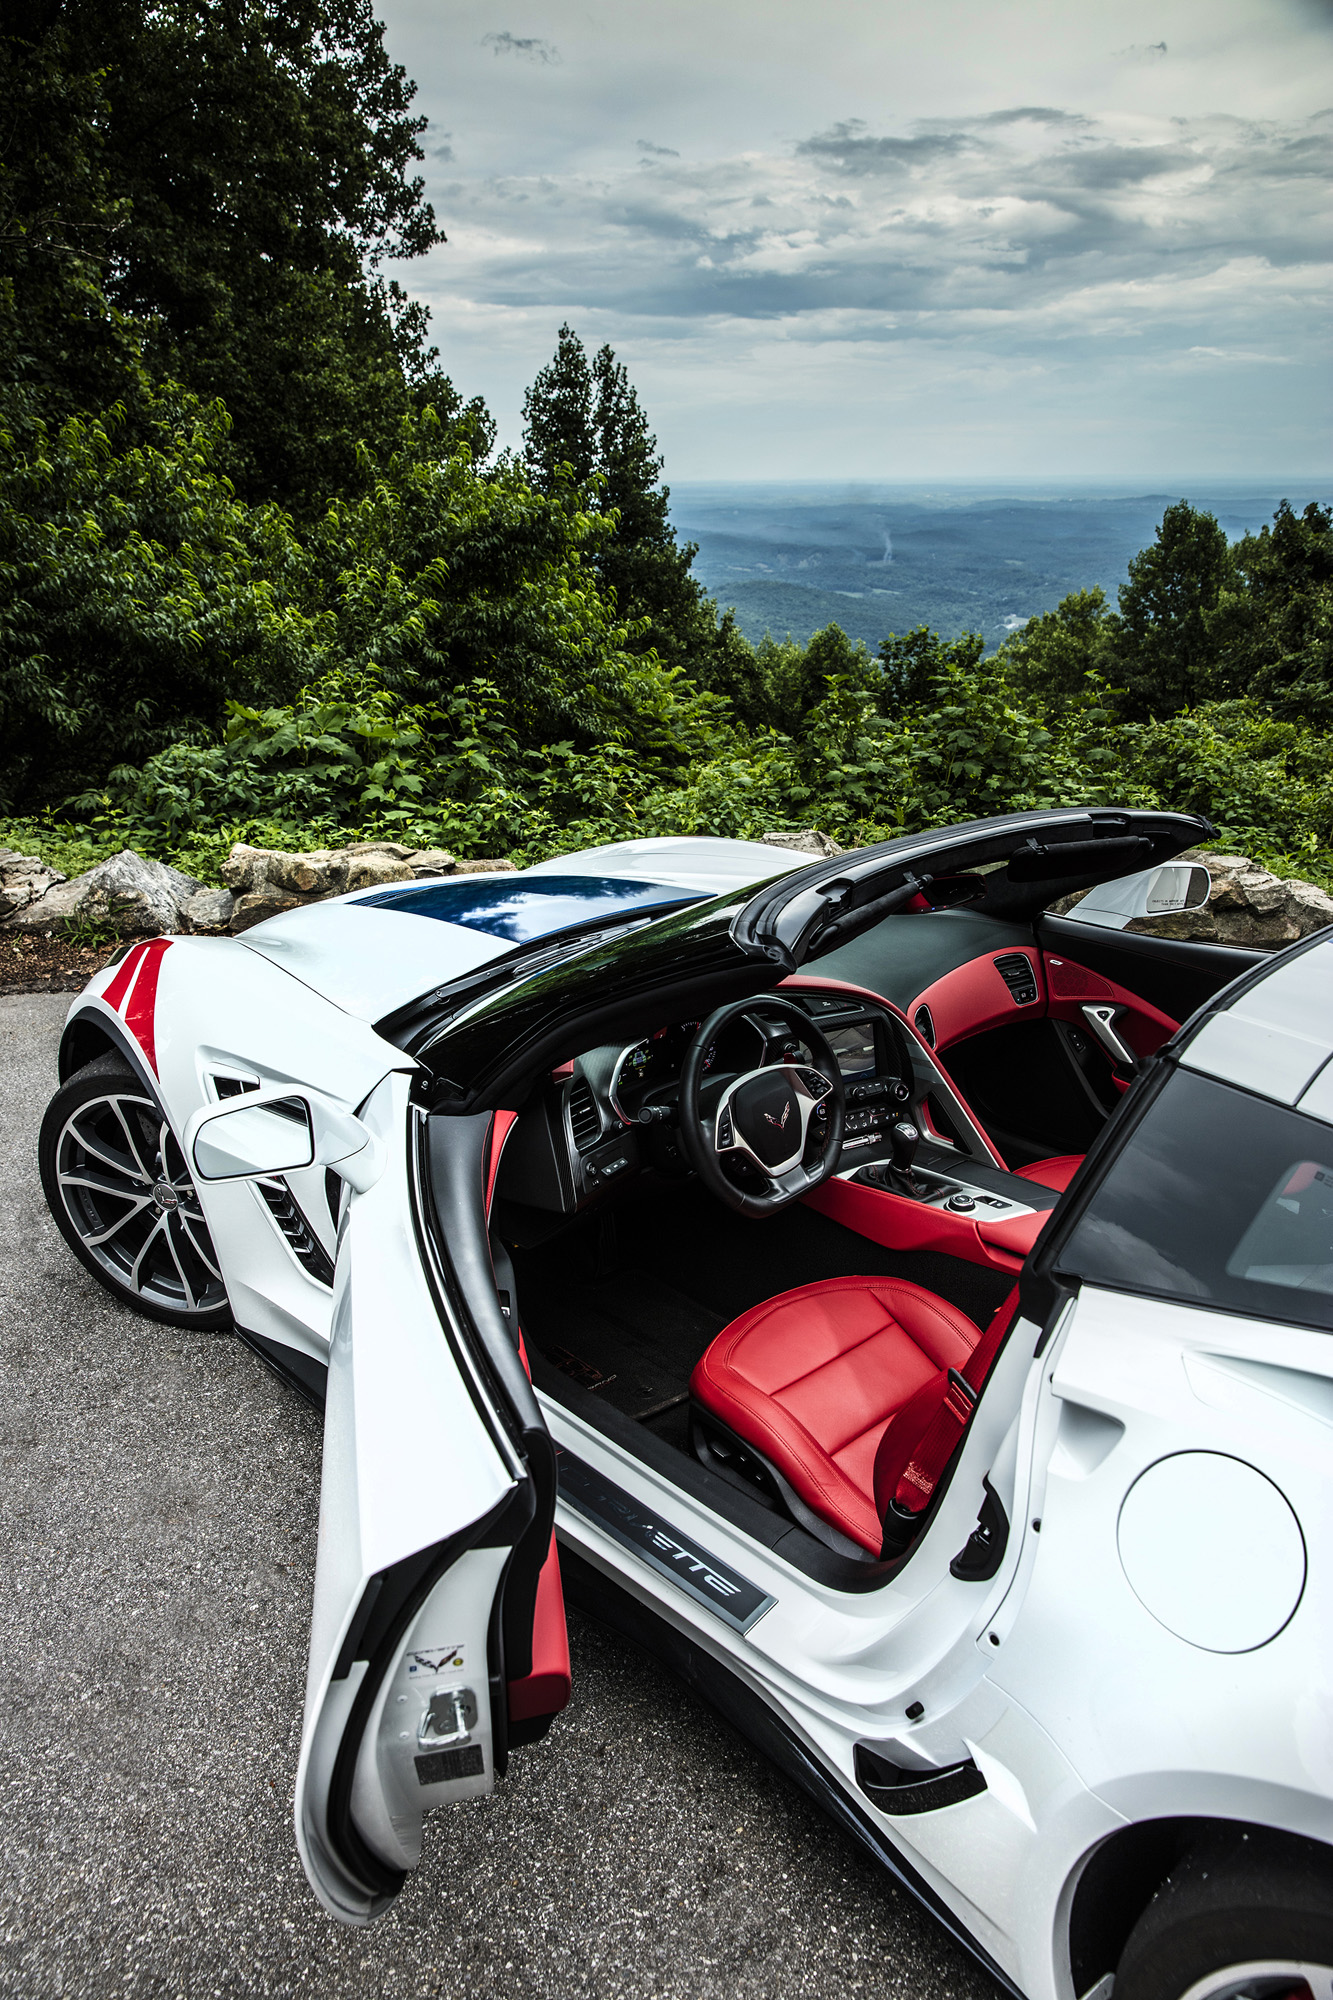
(378, 949)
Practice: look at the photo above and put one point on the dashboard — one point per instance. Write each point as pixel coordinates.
(610, 1116)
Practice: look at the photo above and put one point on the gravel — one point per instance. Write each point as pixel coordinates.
(157, 1513)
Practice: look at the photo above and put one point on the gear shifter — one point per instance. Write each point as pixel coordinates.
(904, 1138)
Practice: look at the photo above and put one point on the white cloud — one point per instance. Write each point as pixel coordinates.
(1067, 246)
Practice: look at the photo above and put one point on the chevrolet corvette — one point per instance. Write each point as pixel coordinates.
(901, 1308)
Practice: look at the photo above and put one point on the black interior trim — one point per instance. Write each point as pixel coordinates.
(771, 1530)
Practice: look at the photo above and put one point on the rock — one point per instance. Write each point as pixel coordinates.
(427, 861)
(254, 905)
(367, 869)
(23, 880)
(483, 868)
(239, 867)
(127, 894)
(288, 880)
(208, 912)
(809, 841)
(318, 873)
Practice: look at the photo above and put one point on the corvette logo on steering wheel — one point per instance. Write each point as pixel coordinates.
(779, 1122)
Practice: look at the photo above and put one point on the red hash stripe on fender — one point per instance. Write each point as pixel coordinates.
(124, 978)
(142, 1003)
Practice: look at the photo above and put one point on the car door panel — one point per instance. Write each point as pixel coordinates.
(425, 1494)
(1172, 974)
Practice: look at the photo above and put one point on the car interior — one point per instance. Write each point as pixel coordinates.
(937, 1080)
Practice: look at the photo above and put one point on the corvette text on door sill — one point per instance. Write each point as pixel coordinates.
(644, 1532)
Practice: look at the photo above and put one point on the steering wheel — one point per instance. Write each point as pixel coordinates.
(763, 1117)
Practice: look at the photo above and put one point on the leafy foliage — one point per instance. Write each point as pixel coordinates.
(260, 576)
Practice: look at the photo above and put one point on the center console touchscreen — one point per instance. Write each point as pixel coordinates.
(854, 1047)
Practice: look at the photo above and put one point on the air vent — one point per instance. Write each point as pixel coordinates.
(584, 1122)
(232, 1086)
(305, 1246)
(924, 1023)
(1015, 969)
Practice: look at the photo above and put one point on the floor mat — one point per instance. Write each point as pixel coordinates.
(638, 1334)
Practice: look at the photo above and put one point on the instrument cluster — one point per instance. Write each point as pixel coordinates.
(648, 1071)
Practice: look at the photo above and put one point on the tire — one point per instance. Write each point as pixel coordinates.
(1240, 1918)
(116, 1182)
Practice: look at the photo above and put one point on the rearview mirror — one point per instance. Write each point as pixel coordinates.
(279, 1132)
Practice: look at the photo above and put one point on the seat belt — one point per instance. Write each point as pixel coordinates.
(924, 1435)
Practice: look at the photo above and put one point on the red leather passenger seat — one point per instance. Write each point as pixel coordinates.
(1055, 1173)
(811, 1379)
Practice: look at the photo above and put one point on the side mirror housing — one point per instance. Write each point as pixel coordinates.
(278, 1131)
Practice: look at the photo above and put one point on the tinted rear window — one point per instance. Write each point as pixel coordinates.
(1221, 1199)
(521, 908)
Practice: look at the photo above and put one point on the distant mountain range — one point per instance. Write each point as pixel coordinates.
(879, 559)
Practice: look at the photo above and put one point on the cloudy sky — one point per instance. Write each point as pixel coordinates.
(863, 239)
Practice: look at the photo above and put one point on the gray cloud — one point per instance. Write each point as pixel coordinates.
(1047, 221)
(529, 47)
(657, 152)
(1142, 52)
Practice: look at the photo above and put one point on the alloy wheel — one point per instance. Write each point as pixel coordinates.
(1265, 1979)
(126, 1190)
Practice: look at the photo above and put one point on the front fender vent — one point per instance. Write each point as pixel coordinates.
(301, 1239)
(584, 1119)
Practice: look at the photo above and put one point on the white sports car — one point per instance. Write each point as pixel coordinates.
(725, 1218)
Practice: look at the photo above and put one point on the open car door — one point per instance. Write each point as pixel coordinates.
(438, 1635)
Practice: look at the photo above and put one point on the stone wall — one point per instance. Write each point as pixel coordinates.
(139, 898)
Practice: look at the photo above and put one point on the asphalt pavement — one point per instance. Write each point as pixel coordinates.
(158, 1502)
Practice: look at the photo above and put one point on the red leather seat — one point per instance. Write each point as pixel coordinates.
(1055, 1173)
(811, 1379)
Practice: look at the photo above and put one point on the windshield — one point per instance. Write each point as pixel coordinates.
(1219, 1198)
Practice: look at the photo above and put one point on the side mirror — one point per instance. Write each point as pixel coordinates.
(278, 1132)
(1154, 892)
(1178, 886)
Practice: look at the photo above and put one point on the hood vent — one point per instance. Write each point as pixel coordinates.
(584, 1122)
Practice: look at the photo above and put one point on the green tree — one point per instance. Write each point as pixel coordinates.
(247, 168)
(1274, 632)
(1165, 651)
(583, 421)
(558, 438)
(1051, 657)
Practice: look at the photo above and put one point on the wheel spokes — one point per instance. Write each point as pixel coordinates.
(119, 1187)
(94, 1148)
(141, 1202)
(144, 1248)
(169, 1238)
(134, 1141)
(204, 1252)
(116, 1158)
